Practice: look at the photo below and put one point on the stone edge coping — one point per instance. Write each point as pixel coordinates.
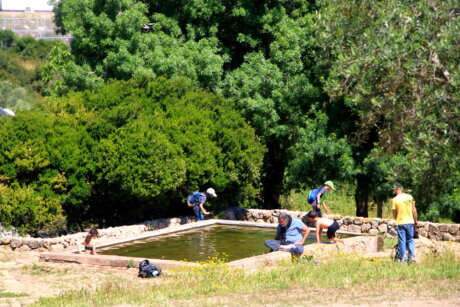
(194, 225)
(364, 244)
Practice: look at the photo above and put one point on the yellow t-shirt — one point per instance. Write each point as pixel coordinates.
(402, 203)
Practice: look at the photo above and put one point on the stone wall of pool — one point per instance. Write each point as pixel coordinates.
(357, 225)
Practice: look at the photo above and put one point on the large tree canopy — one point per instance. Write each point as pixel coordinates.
(128, 151)
(396, 65)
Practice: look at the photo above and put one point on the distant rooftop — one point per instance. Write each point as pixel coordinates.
(29, 6)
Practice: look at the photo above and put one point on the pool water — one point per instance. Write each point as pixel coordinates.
(226, 242)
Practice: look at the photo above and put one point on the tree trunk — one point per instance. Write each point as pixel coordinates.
(379, 209)
(274, 167)
(362, 195)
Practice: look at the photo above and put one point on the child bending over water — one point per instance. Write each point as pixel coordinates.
(90, 242)
(324, 223)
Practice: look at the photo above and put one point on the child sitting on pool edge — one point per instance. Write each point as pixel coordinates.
(90, 242)
(324, 223)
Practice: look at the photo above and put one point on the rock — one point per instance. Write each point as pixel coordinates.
(447, 236)
(229, 215)
(367, 220)
(365, 227)
(15, 243)
(347, 220)
(393, 232)
(453, 229)
(57, 247)
(358, 220)
(5, 240)
(375, 223)
(24, 248)
(423, 232)
(354, 228)
(383, 228)
(34, 243)
(266, 216)
(373, 232)
(443, 228)
(433, 232)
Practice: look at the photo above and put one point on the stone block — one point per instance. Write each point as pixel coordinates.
(229, 215)
(391, 223)
(383, 228)
(447, 236)
(354, 228)
(57, 247)
(267, 215)
(375, 223)
(393, 232)
(454, 229)
(433, 232)
(47, 243)
(24, 248)
(347, 220)
(15, 243)
(365, 227)
(358, 220)
(423, 232)
(443, 228)
(34, 244)
(5, 241)
(373, 232)
(367, 220)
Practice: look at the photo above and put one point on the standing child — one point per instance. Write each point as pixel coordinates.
(90, 242)
(323, 223)
(315, 197)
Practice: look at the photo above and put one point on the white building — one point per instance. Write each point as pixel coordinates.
(29, 6)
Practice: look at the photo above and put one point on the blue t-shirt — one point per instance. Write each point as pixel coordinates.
(201, 200)
(294, 233)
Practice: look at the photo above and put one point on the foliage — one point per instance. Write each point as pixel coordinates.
(117, 39)
(127, 151)
(396, 66)
(15, 98)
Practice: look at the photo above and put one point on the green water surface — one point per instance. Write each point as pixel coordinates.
(200, 244)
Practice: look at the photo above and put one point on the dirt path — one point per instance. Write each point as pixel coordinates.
(24, 279)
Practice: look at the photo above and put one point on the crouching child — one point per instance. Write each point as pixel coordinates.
(324, 223)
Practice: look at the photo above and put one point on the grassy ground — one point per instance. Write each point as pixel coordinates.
(341, 201)
(350, 279)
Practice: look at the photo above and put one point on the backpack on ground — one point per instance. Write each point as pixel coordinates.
(193, 199)
(148, 270)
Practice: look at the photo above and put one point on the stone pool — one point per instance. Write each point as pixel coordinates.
(225, 242)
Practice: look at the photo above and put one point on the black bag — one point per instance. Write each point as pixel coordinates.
(148, 270)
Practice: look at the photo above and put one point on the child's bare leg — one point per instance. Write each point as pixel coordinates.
(78, 247)
(337, 240)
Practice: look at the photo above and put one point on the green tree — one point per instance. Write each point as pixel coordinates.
(396, 66)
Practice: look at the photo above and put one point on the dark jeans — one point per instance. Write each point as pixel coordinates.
(274, 245)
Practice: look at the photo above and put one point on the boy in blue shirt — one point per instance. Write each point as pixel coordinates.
(196, 201)
(314, 197)
(290, 233)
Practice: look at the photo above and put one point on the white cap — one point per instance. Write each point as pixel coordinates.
(7, 112)
(211, 191)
